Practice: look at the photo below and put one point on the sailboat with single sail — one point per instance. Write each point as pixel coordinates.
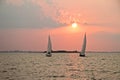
(49, 48)
(82, 53)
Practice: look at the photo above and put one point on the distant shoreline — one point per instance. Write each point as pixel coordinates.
(58, 51)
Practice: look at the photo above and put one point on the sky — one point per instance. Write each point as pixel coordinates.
(26, 24)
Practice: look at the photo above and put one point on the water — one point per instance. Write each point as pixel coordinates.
(34, 66)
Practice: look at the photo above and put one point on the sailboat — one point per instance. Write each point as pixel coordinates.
(82, 53)
(49, 48)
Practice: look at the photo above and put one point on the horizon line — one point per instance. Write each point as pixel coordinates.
(76, 51)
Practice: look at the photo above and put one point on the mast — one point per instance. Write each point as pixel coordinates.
(82, 53)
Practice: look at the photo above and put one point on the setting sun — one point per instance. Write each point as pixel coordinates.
(74, 25)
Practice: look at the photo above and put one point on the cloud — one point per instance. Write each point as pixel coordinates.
(26, 14)
(48, 8)
(51, 9)
(66, 12)
(15, 2)
(58, 14)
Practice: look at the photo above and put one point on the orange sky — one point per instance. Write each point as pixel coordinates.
(65, 37)
(26, 24)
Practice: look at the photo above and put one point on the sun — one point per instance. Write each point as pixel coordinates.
(74, 25)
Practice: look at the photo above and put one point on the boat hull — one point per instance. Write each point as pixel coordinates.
(48, 54)
(82, 55)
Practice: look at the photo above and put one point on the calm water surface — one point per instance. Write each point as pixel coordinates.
(64, 66)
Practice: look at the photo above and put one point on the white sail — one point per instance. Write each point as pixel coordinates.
(49, 48)
(83, 46)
